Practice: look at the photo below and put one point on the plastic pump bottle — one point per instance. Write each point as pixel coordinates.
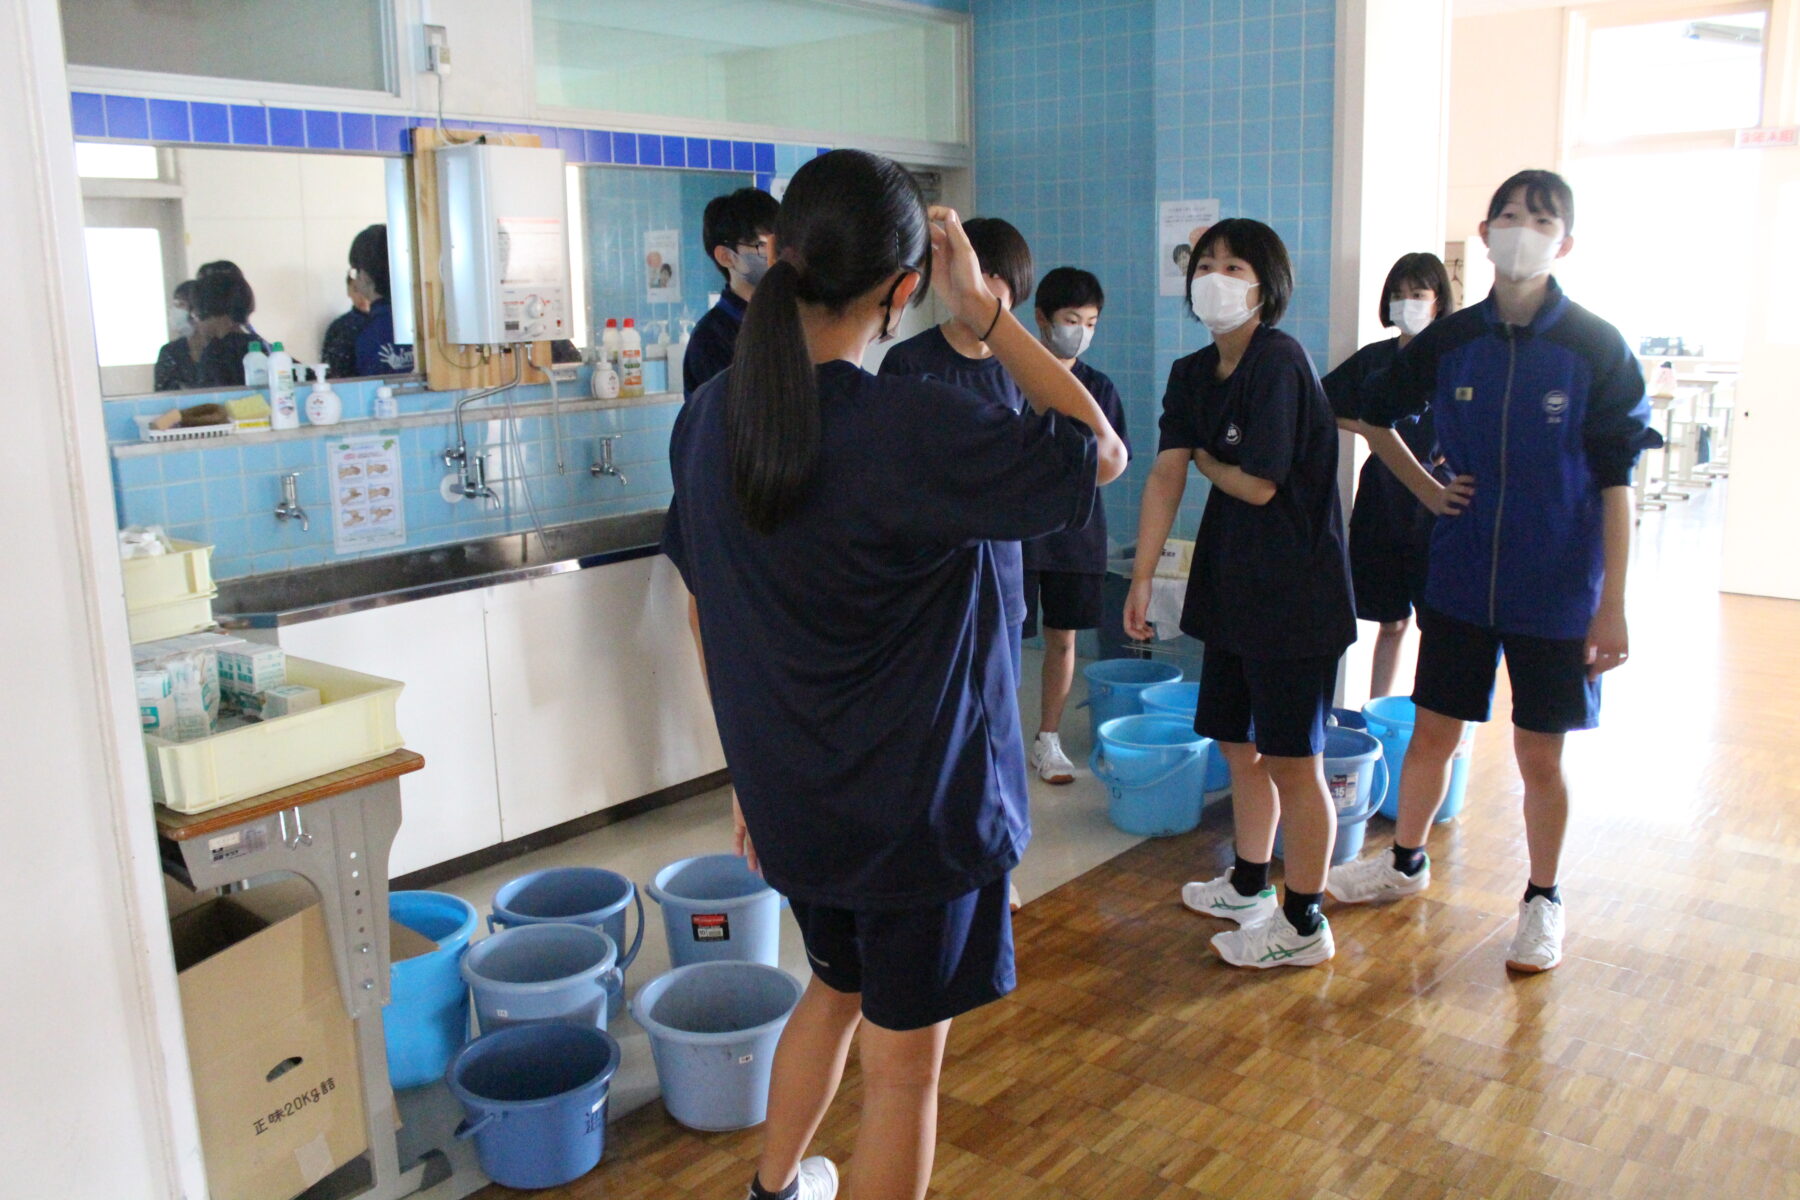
(283, 412)
(386, 408)
(256, 367)
(631, 360)
(324, 406)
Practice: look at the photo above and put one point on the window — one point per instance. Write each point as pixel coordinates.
(125, 274)
(1696, 75)
(103, 160)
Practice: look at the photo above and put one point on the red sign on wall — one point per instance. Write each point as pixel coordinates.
(1768, 139)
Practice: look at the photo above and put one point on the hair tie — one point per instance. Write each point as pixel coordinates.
(999, 307)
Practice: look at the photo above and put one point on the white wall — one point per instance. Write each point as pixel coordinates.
(1506, 90)
(94, 1083)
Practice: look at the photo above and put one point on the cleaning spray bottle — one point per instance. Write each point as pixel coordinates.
(283, 412)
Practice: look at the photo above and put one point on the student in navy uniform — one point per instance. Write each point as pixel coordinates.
(1064, 572)
(835, 530)
(953, 354)
(736, 228)
(377, 353)
(212, 355)
(1269, 593)
(1390, 531)
(1540, 415)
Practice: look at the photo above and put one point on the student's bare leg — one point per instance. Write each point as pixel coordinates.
(1546, 801)
(1425, 775)
(1307, 815)
(1255, 808)
(1059, 677)
(896, 1142)
(1388, 641)
(809, 1064)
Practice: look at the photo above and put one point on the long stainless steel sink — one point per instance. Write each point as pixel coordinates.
(312, 593)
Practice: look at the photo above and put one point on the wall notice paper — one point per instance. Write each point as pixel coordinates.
(366, 491)
(1179, 227)
(662, 265)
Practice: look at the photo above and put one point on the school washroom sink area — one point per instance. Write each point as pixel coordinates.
(356, 585)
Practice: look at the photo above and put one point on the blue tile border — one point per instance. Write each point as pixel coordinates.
(211, 122)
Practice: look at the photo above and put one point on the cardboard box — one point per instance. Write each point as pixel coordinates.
(272, 1050)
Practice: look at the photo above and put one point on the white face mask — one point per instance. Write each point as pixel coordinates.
(1069, 341)
(1221, 301)
(1411, 315)
(181, 322)
(1519, 253)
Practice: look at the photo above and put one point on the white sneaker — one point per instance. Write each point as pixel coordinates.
(1217, 898)
(1014, 901)
(818, 1179)
(1375, 878)
(1537, 946)
(1048, 759)
(1275, 943)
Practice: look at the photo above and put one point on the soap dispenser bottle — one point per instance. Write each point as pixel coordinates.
(324, 406)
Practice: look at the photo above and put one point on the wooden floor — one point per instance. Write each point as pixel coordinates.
(1661, 1060)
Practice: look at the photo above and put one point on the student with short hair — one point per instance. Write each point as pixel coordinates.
(377, 351)
(1390, 531)
(736, 228)
(959, 356)
(1540, 416)
(1065, 572)
(835, 529)
(1269, 592)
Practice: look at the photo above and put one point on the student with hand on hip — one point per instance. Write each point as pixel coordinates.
(835, 529)
(1540, 414)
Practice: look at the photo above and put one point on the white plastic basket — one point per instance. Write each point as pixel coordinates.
(354, 723)
(188, 433)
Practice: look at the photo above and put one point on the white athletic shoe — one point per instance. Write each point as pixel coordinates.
(1375, 878)
(1048, 759)
(1014, 901)
(1537, 946)
(1217, 898)
(1275, 943)
(818, 1180)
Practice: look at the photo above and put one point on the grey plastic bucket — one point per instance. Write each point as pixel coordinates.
(713, 1029)
(542, 972)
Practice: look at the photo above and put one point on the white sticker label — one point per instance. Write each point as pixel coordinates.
(1343, 790)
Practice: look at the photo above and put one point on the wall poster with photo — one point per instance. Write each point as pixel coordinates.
(1179, 226)
(662, 265)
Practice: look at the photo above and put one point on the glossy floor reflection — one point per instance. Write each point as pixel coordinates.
(1661, 1060)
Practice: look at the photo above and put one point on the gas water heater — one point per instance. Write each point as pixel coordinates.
(505, 238)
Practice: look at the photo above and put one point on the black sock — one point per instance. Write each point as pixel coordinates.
(1409, 862)
(759, 1192)
(1302, 911)
(1552, 893)
(1249, 878)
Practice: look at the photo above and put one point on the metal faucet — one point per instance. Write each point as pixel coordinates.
(290, 502)
(606, 466)
(472, 469)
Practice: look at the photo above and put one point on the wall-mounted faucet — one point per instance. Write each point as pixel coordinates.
(289, 508)
(606, 466)
(472, 468)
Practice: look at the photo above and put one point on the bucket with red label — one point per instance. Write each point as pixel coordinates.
(716, 909)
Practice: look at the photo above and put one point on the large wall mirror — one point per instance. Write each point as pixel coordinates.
(160, 217)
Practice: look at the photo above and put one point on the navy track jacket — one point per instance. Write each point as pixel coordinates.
(1544, 416)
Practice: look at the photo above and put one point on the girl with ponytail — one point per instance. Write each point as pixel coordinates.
(833, 529)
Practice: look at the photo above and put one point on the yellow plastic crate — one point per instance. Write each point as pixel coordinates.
(188, 615)
(354, 723)
(183, 574)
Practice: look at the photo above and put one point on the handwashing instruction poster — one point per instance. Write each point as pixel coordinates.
(366, 491)
(1179, 226)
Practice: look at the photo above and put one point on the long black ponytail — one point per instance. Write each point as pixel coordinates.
(849, 220)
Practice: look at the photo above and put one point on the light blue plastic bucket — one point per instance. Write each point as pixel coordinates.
(542, 972)
(1182, 699)
(427, 1019)
(1356, 775)
(713, 1029)
(590, 896)
(1154, 769)
(1116, 686)
(1391, 719)
(716, 909)
(534, 1100)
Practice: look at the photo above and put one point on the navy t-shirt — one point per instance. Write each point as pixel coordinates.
(1269, 581)
(712, 344)
(930, 354)
(376, 351)
(858, 654)
(1384, 511)
(1081, 551)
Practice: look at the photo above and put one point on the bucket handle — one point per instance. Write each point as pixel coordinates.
(466, 1129)
(637, 943)
(1378, 790)
(1097, 763)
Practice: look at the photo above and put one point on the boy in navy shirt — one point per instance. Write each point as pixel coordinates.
(953, 354)
(736, 228)
(1064, 572)
(1540, 414)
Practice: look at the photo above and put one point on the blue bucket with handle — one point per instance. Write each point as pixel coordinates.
(1116, 687)
(1154, 769)
(1392, 718)
(591, 896)
(713, 1030)
(1182, 699)
(427, 1018)
(1356, 776)
(715, 908)
(534, 1101)
(543, 972)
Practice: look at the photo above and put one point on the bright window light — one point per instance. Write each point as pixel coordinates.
(103, 160)
(125, 275)
(1674, 77)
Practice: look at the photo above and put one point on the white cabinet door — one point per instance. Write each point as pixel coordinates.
(598, 697)
(436, 647)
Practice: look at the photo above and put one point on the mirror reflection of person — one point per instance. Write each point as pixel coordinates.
(212, 355)
(376, 351)
(339, 347)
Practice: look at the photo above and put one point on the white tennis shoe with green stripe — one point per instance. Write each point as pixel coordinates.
(1217, 898)
(1275, 943)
